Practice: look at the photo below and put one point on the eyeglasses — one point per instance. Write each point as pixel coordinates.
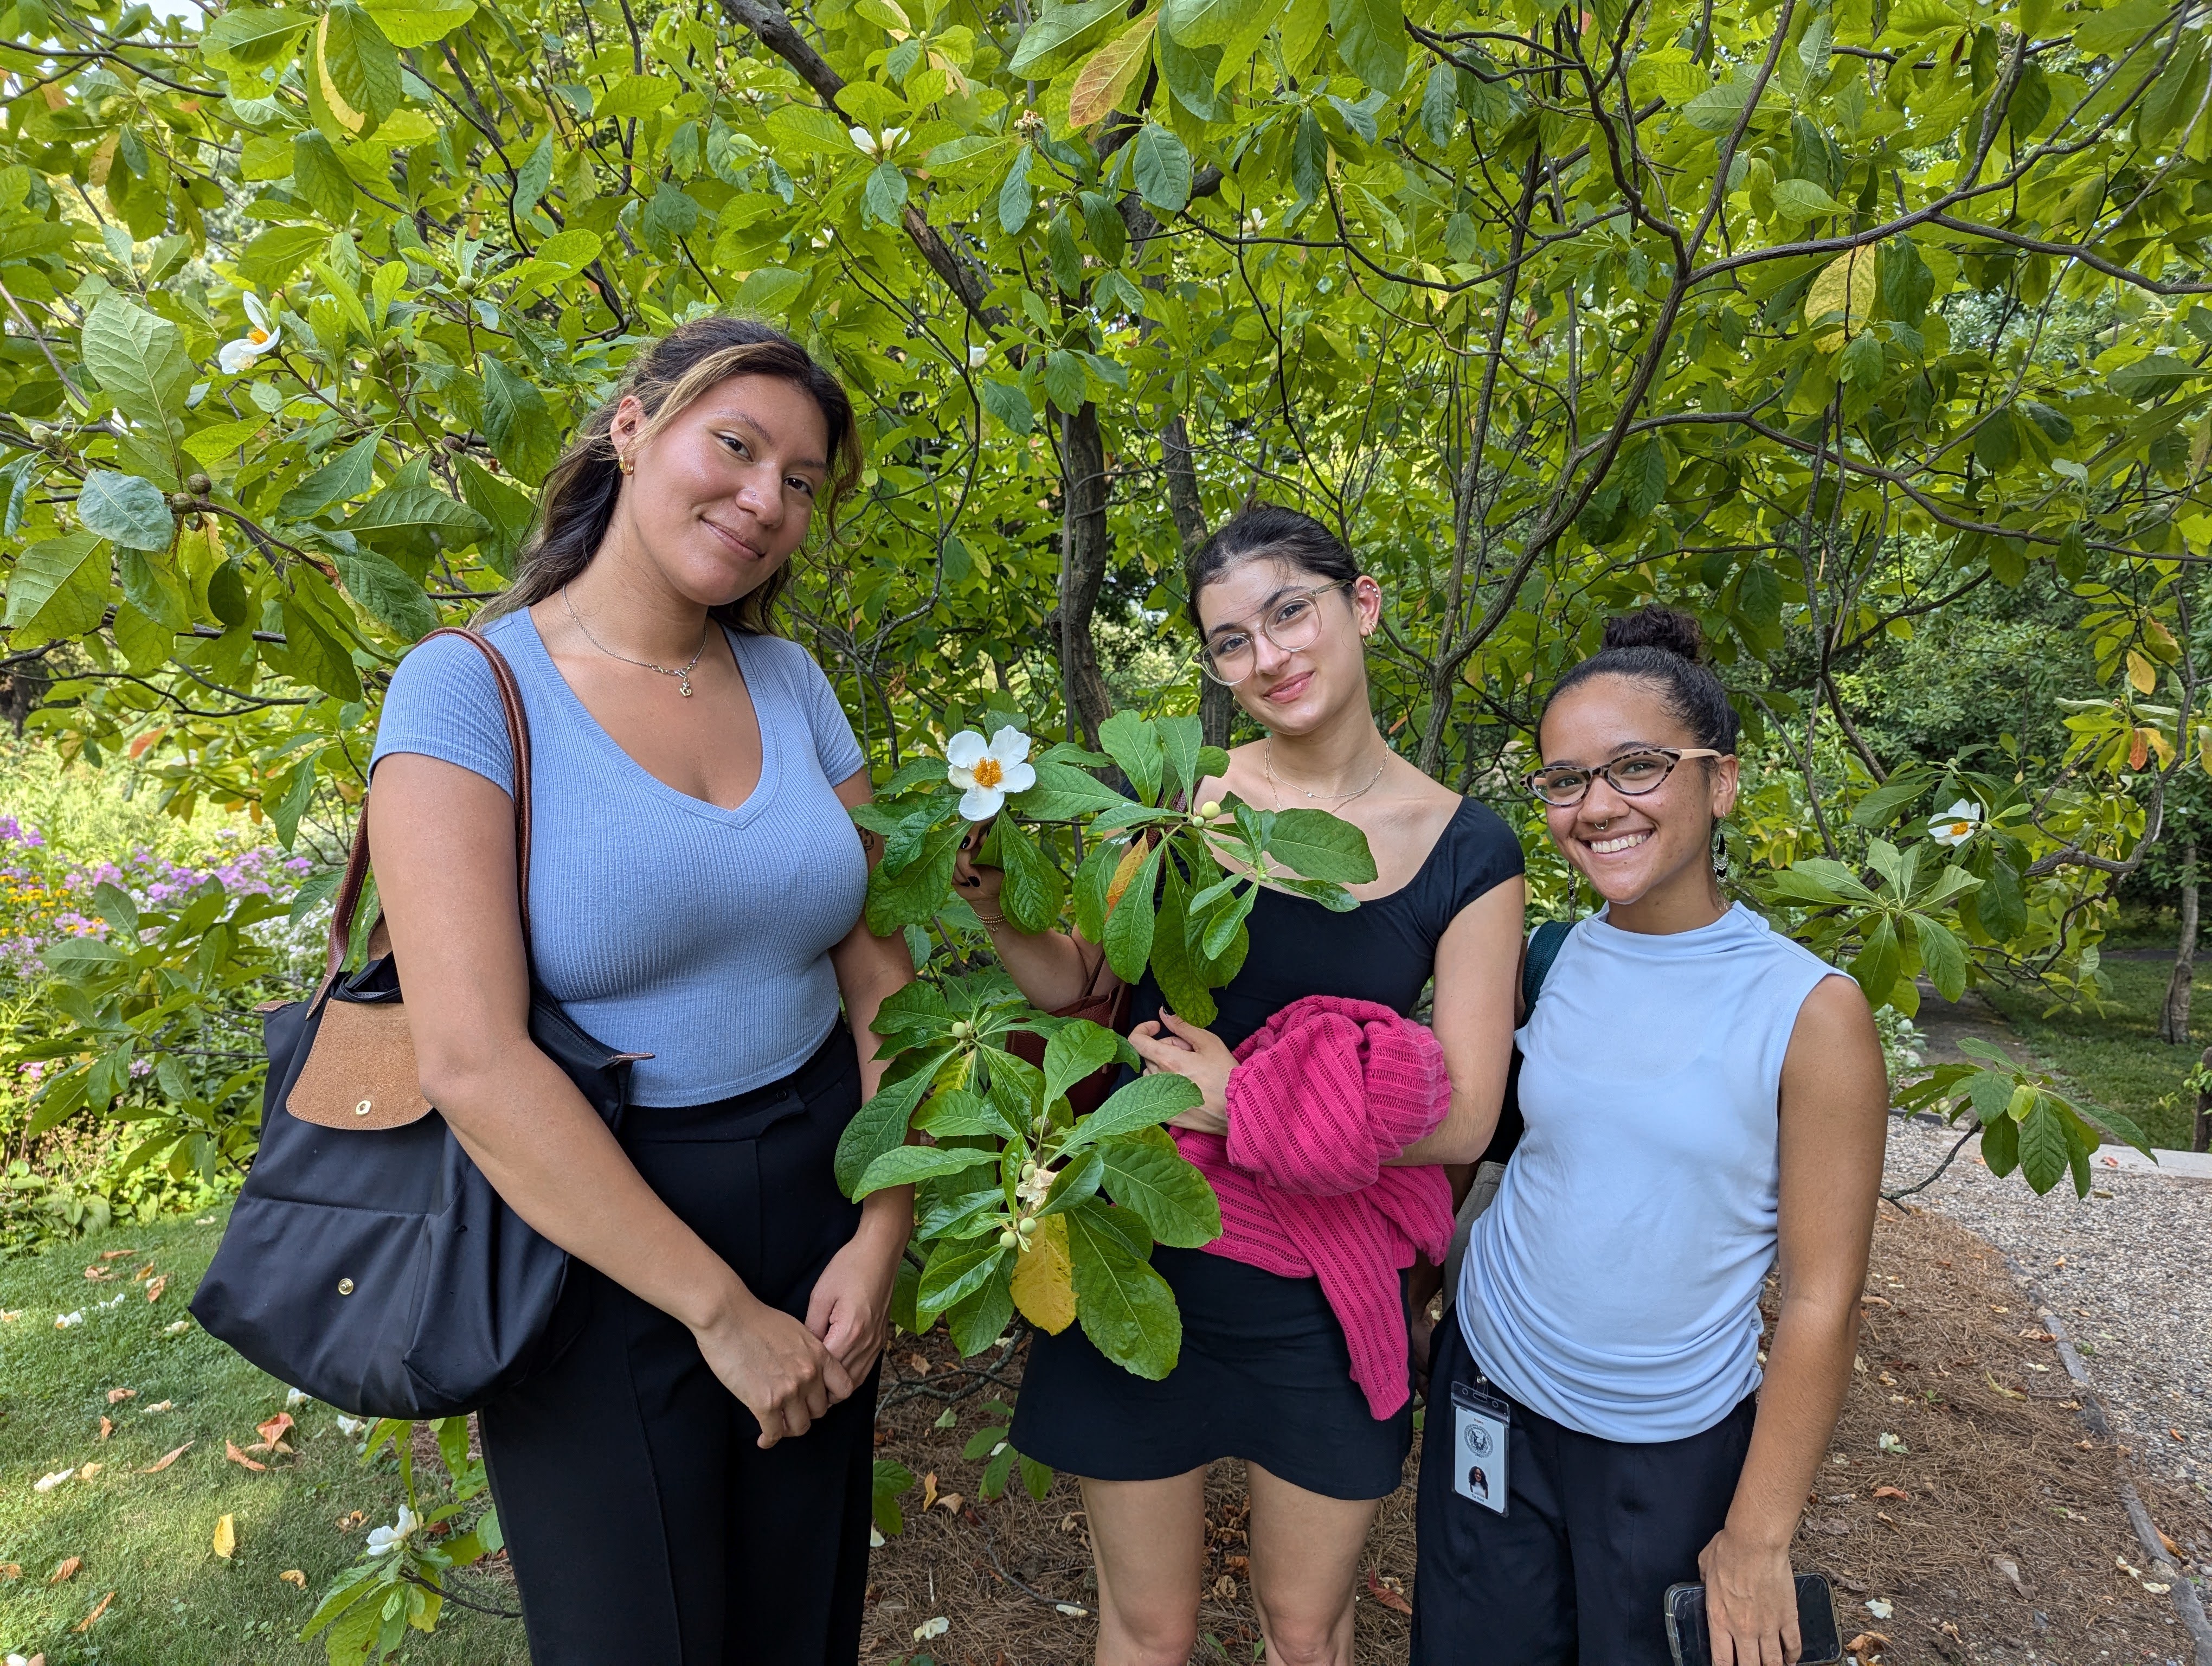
(1292, 622)
(1635, 774)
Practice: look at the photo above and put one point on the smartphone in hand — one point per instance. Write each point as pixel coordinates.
(1819, 1634)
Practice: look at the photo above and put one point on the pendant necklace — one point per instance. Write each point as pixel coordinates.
(683, 674)
(1268, 762)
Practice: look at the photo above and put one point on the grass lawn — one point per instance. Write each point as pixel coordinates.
(2115, 1057)
(149, 1538)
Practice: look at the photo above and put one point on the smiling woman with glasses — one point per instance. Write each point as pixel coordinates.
(1266, 1373)
(1703, 1100)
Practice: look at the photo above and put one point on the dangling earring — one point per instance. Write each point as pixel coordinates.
(1720, 855)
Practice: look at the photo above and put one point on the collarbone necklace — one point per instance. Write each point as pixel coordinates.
(681, 673)
(1276, 784)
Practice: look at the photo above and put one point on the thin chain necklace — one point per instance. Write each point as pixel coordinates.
(1268, 762)
(683, 676)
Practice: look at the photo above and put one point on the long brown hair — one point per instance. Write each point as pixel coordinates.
(577, 502)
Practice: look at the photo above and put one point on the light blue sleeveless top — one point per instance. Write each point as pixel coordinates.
(1613, 1284)
(662, 923)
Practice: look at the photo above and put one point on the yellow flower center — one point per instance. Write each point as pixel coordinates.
(1958, 828)
(988, 772)
(256, 337)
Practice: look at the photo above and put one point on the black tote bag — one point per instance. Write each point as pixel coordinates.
(368, 1260)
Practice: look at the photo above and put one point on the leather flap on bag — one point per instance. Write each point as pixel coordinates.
(360, 1074)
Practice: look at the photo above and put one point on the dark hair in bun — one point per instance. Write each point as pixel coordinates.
(1664, 647)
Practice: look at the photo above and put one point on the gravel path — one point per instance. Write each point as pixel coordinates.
(2129, 1268)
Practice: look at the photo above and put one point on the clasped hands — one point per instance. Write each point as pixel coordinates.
(1169, 1046)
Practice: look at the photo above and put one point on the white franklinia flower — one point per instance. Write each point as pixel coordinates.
(986, 774)
(63, 1321)
(381, 1539)
(1955, 825)
(350, 1427)
(931, 1628)
(862, 137)
(297, 1397)
(1032, 1188)
(978, 356)
(261, 335)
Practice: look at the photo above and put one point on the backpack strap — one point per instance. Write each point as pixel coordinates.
(1544, 945)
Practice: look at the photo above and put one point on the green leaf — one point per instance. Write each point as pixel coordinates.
(1128, 931)
(1371, 38)
(1180, 739)
(1144, 1172)
(245, 36)
(2120, 26)
(358, 69)
(957, 1268)
(1063, 371)
(2146, 378)
(389, 596)
(59, 586)
(2043, 1157)
(1942, 956)
(903, 1165)
(958, 1112)
(2129, 1132)
(347, 475)
(1035, 889)
(880, 1125)
(154, 589)
(886, 192)
(1062, 33)
(1880, 807)
(2001, 1146)
(913, 896)
(407, 24)
(1800, 199)
(1017, 197)
(980, 1318)
(1320, 846)
(1010, 404)
(1177, 963)
(132, 512)
(1078, 1050)
(408, 515)
(1134, 746)
(1718, 107)
(1878, 964)
(1063, 792)
(518, 423)
(634, 95)
(1161, 167)
(1126, 1308)
(1143, 1103)
(138, 358)
(1207, 23)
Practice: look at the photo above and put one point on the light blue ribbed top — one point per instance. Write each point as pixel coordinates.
(662, 923)
(1613, 1284)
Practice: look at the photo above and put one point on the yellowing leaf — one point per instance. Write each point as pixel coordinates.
(292, 1576)
(65, 1569)
(226, 1537)
(167, 1459)
(2142, 676)
(1106, 76)
(230, 1451)
(344, 114)
(1124, 871)
(85, 1624)
(1845, 285)
(1044, 1278)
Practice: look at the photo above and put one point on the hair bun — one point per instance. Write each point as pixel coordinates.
(1662, 628)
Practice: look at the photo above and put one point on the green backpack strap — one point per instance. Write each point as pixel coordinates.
(1544, 945)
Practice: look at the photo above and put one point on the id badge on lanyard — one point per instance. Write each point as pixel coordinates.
(1482, 1422)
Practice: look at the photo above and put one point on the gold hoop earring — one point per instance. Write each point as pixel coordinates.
(624, 464)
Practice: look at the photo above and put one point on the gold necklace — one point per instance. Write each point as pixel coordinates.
(1268, 762)
(683, 676)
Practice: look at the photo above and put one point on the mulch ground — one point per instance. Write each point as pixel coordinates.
(1989, 1522)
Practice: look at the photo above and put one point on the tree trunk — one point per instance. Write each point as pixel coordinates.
(1082, 567)
(2174, 1025)
(1217, 704)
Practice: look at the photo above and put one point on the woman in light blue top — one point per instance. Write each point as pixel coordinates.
(1703, 1100)
(689, 1481)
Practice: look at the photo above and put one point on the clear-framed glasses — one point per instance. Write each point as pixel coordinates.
(1292, 622)
(1635, 774)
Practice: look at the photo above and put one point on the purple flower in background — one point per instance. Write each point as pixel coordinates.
(13, 831)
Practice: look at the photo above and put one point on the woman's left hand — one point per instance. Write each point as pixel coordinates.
(1168, 1044)
(1751, 1601)
(850, 1308)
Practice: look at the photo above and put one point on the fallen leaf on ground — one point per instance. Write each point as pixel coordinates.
(226, 1537)
(347, 1524)
(47, 1483)
(86, 1471)
(919, 1362)
(116, 1396)
(158, 1406)
(116, 1254)
(96, 1273)
(178, 1329)
(10, 1317)
(85, 1624)
(951, 1501)
(1896, 1492)
(11, 1569)
(155, 1286)
(166, 1459)
(928, 1491)
(143, 1273)
(292, 1576)
(1392, 1600)
(275, 1429)
(230, 1451)
(2172, 1549)
(64, 1570)
(1865, 1643)
(106, 1428)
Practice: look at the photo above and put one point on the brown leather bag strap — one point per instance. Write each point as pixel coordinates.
(518, 739)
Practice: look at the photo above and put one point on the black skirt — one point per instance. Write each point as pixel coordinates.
(1265, 1375)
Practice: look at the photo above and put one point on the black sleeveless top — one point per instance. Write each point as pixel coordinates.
(1384, 950)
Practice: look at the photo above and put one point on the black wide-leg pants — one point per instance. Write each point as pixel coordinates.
(646, 1527)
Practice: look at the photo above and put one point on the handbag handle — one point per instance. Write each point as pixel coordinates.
(518, 739)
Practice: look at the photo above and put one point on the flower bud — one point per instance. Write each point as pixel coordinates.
(1210, 809)
(1028, 1226)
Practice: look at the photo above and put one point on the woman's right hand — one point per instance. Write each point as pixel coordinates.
(780, 1368)
(978, 886)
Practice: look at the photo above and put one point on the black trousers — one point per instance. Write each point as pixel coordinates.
(1575, 1571)
(645, 1526)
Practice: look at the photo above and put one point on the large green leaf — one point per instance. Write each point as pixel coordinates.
(138, 358)
(1134, 746)
(1144, 1171)
(346, 476)
(1077, 1050)
(957, 1268)
(1034, 889)
(2043, 1157)
(903, 1165)
(59, 586)
(518, 422)
(1126, 1308)
(1320, 846)
(131, 512)
(1143, 1103)
(1371, 38)
(1128, 932)
(392, 600)
(880, 1125)
(1062, 33)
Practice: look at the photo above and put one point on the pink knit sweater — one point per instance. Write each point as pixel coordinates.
(1320, 1099)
